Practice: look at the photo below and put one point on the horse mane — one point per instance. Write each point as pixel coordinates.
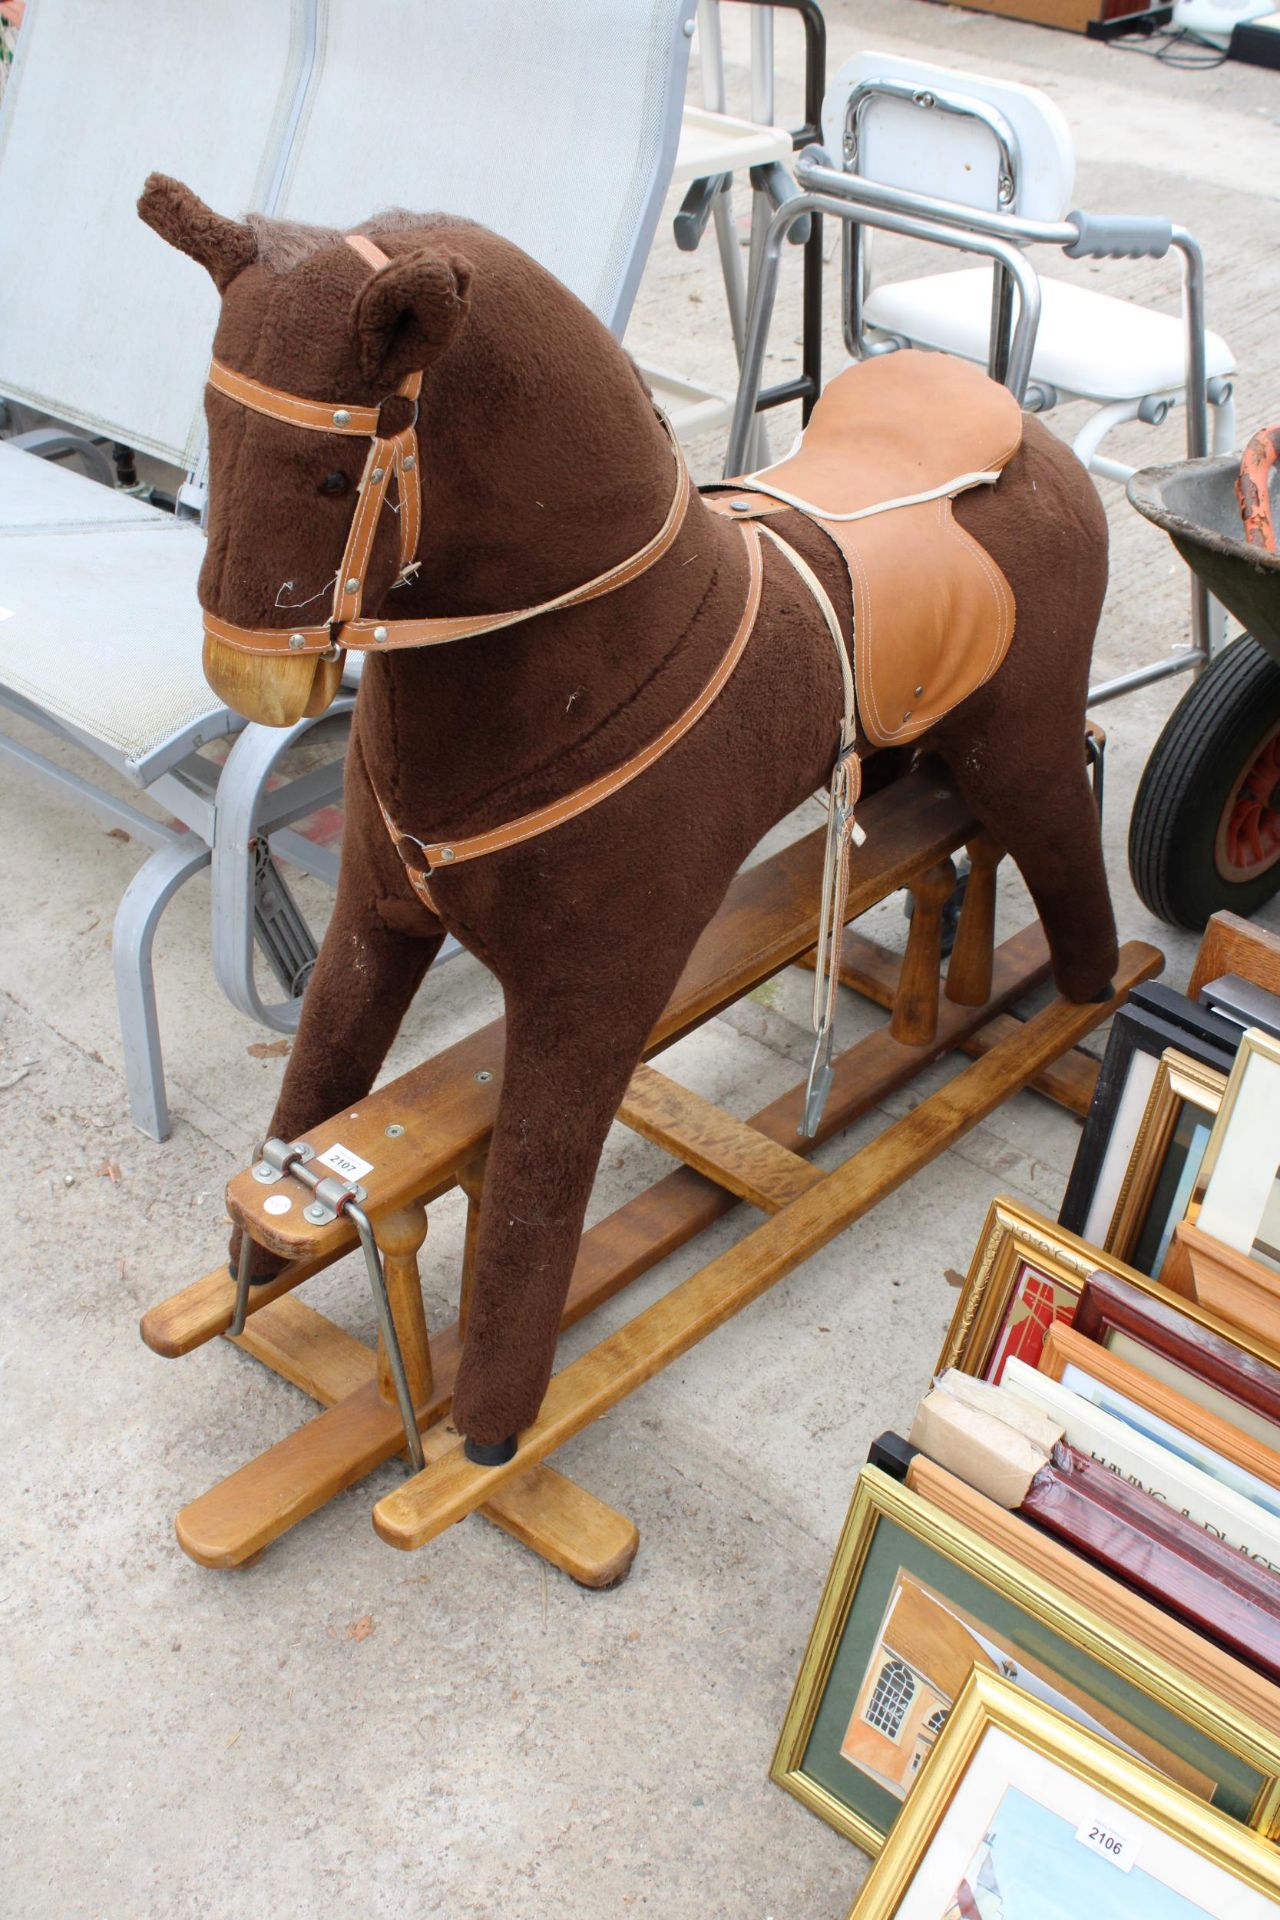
(284, 244)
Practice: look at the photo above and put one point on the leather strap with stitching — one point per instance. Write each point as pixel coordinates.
(369, 635)
(397, 455)
(543, 819)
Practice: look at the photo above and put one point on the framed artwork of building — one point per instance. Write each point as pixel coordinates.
(1022, 1814)
(914, 1603)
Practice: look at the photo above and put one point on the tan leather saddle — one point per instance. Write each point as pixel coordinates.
(890, 444)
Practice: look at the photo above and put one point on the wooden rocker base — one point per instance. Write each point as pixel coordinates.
(440, 1114)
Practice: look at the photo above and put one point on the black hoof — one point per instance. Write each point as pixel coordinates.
(1099, 999)
(255, 1279)
(481, 1455)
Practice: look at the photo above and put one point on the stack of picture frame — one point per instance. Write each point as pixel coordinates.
(1091, 1670)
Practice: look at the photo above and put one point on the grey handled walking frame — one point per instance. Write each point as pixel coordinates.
(1000, 237)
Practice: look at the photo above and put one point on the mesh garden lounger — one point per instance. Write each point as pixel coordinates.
(555, 123)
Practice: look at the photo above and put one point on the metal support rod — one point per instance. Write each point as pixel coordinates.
(1188, 661)
(387, 1328)
(1193, 320)
(762, 66)
(815, 87)
(765, 292)
(344, 1199)
(240, 1312)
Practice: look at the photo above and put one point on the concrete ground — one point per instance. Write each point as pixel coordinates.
(342, 1731)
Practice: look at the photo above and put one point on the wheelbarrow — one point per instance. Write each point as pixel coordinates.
(1205, 828)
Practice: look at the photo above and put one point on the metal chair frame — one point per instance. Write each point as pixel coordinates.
(1000, 237)
(232, 824)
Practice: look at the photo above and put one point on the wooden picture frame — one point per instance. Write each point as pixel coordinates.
(1028, 1273)
(1228, 1283)
(912, 1600)
(1247, 1692)
(1065, 1347)
(1159, 1552)
(1115, 1838)
(1170, 1474)
(1166, 1159)
(1223, 1368)
(1231, 944)
(1153, 1019)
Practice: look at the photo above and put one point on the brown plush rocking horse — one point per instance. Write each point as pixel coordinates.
(572, 795)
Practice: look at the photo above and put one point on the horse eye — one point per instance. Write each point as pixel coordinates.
(334, 483)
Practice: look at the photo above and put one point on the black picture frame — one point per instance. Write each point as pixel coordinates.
(1153, 1018)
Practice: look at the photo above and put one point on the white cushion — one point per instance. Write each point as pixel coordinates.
(1089, 344)
(100, 629)
(40, 495)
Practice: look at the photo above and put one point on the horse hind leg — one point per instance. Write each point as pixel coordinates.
(1030, 788)
(1016, 748)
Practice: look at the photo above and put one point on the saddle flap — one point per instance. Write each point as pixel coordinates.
(890, 443)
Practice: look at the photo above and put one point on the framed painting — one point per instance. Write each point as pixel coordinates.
(1165, 1161)
(1222, 1368)
(1153, 1019)
(1123, 1610)
(1028, 1274)
(1161, 1553)
(1162, 1411)
(913, 1602)
(1241, 1172)
(1022, 1813)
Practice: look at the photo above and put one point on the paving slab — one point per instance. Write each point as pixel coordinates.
(344, 1731)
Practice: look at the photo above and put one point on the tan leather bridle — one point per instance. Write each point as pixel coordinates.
(396, 455)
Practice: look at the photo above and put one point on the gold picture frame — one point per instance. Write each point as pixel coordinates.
(1197, 1859)
(1015, 1239)
(944, 1579)
(1180, 1083)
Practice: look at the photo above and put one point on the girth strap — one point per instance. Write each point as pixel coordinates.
(442, 853)
(843, 835)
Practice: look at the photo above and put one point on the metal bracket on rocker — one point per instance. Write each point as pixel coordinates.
(332, 1197)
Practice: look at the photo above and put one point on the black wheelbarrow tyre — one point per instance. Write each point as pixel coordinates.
(1213, 733)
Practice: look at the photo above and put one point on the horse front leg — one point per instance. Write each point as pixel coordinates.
(569, 1057)
(373, 958)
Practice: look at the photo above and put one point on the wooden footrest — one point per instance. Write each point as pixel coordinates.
(735, 1155)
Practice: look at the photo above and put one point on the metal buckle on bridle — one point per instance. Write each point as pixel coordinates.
(333, 1198)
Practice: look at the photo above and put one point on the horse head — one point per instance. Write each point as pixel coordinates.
(345, 329)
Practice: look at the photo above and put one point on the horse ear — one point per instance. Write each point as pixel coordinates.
(224, 247)
(407, 314)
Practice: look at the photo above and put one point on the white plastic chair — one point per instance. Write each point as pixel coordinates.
(1001, 146)
(562, 136)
